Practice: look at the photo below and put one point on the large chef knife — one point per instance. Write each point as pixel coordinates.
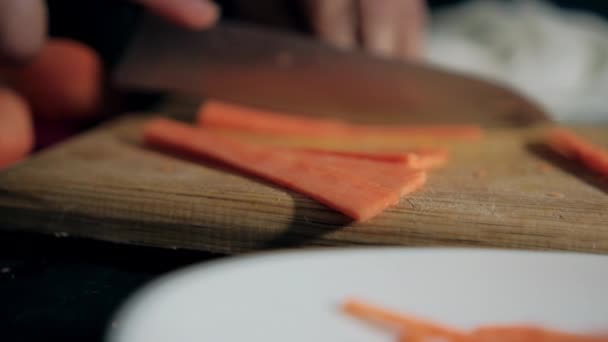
(259, 66)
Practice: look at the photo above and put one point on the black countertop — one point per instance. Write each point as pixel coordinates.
(66, 289)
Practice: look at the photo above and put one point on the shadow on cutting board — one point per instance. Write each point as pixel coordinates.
(310, 221)
(304, 230)
(573, 168)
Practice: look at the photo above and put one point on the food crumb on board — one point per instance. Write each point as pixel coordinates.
(5, 270)
(61, 234)
(168, 168)
(543, 168)
(481, 173)
(555, 194)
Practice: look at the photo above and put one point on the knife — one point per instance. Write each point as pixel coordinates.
(258, 66)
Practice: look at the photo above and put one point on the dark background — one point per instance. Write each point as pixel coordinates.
(65, 289)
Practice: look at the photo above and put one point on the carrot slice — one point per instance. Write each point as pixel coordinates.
(528, 334)
(376, 314)
(231, 116)
(575, 147)
(64, 81)
(418, 330)
(418, 159)
(225, 115)
(347, 143)
(390, 175)
(380, 149)
(359, 193)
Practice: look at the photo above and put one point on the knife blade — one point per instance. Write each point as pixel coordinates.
(259, 66)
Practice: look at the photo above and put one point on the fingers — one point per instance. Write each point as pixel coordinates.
(16, 131)
(379, 25)
(63, 82)
(22, 29)
(62, 86)
(335, 21)
(390, 28)
(410, 43)
(194, 14)
(393, 28)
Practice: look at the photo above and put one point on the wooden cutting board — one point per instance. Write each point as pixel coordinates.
(502, 192)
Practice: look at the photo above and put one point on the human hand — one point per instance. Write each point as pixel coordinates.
(389, 28)
(23, 22)
(57, 84)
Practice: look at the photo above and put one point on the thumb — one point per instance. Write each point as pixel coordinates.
(16, 131)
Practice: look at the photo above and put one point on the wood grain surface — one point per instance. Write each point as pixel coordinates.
(506, 191)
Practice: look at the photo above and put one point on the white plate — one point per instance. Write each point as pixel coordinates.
(295, 296)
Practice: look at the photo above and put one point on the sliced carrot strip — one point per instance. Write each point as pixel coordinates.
(381, 149)
(528, 334)
(575, 147)
(418, 330)
(390, 175)
(358, 193)
(418, 159)
(346, 143)
(230, 116)
(376, 314)
(414, 335)
(225, 115)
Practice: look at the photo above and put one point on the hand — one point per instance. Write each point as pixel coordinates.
(23, 22)
(59, 84)
(390, 28)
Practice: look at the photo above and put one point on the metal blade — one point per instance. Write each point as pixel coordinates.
(279, 70)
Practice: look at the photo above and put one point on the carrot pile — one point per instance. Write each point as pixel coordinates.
(48, 98)
(64, 81)
(335, 137)
(358, 182)
(358, 170)
(358, 188)
(413, 329)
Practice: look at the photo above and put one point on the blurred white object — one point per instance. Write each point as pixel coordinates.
(558, 57)
(296, 296)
